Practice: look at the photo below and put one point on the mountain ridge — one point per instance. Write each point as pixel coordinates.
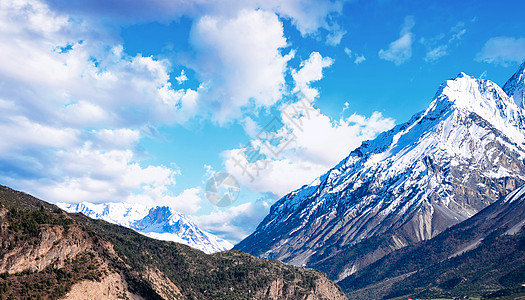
(464, 152)
(160, 222)
(481, 256)
(48, 253)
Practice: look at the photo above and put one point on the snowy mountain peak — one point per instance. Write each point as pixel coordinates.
(515, 86)
(465, 151)
(159, 222)
(483, 98)
(468, 92)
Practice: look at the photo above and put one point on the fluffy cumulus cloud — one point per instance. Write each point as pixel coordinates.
(239, 61)
(400, 50)
(56, 67)
(308, 16)
(503, 50)
(311, 71)
(306, 144)
(302, 143)
(74, 104)
(62, 49)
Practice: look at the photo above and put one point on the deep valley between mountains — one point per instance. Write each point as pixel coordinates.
(433, 208)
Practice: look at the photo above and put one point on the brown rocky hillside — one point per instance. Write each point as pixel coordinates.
(46, 253)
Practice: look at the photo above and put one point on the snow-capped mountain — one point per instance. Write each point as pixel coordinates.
(160, 222)
(464, 152)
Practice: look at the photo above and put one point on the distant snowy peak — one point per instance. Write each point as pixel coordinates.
(160, 222)
(515, 86)
(118, 213)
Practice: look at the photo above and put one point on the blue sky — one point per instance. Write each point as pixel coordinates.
(143, 101)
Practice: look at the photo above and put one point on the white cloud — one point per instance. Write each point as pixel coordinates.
(182, 77)
(503, 50)
(358, 58)
(250, 127)
(73, 101)
(400, 50)
(440, 46)
(334, 38)
(308, 16)
(458, 31)
(239, 60)
(436, 53)
(83, 113)
(93, 83)
(18, 132)
(300, 144)
(117, 138)
(311, 70)
(483, 75)
(101, 176)
(309, 144)
(235, 223)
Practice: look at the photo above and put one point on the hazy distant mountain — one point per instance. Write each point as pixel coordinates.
(464, 152)
(160, 222)
(482, 256)
(46, 253)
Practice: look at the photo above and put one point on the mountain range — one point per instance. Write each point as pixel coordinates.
(447, 163)
(46, 253)
(160, 222)
(433, 208)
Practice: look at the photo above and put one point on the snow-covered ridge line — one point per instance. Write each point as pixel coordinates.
(159, 222)
(448, 162)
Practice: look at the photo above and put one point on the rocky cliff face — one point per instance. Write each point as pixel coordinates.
(45, 252)
(461, 154)
(482, 256)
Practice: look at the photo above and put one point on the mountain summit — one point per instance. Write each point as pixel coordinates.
(464, 152)
(159, 222)
(515, 87)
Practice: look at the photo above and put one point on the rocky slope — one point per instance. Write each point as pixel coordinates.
(482, 256)
(160, 222)
(464, 152)
(47, 253)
